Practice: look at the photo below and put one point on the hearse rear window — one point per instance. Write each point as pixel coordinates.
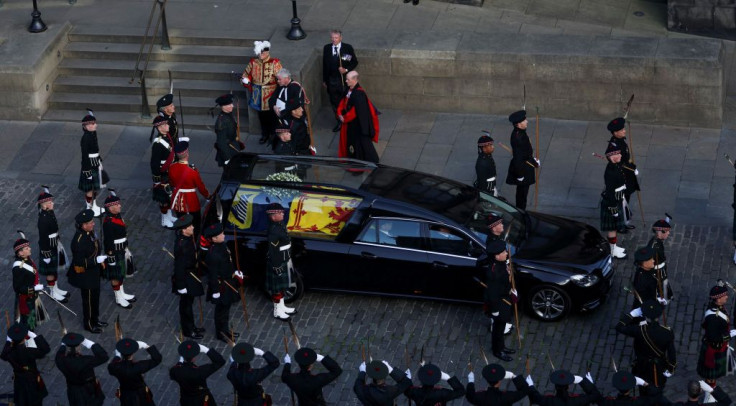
(307, 214)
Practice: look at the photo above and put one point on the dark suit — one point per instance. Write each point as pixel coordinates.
(247, 381)
(192, 380)
(28, 387)
(133, 389)
(82, 386)
(433, 396)
(330, 73)
(496, 397)
(373, 394)
(308, 387)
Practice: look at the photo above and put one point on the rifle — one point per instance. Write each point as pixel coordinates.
(482, 351)
(536, 184)
(286, 348)
(633, 292)
(660, 288)
(61, 322)
(628, 106)
(171, 84)
(597, 155)
(613, 361)
(513, 286)
(181, 115)
(307, 103)
(728, 158)
(118, 329)
(523, 106)
(295, 336)
(241, 289)
(507, 148)
(631, 150)
(237, 116)
(177, 338)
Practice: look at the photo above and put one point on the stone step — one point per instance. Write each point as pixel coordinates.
(154, 87)
(191, 121)
(124, 103)
(233, 38)
(156, 69)
(178, 53)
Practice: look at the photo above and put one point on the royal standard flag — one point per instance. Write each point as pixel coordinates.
(320, 213)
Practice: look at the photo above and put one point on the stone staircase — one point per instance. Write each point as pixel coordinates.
(98, 63)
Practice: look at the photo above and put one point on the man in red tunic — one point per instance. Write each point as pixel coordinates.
(185, 181)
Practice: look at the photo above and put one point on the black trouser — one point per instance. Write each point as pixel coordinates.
(186, 314)
(521, 193)
(222, 319)
(497, 340)
(268, 123)
(335, 91)
(90, 307)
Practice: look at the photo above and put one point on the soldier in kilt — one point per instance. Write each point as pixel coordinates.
(223, 280)
(661, 229)
(715, 354)
(612, 198)
(27, 285)
(93, 177)
(119, 260)
(53, 255)
(162, 156)
(278, 261)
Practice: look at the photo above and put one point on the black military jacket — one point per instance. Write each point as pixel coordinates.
(495, 397)
(522, 163)
(185, 266)
(133, 389)
(381, 395)
(28, 387)
(308, 387)
(47, 227)
(591, 396)
(247, 381)
(226, 144)
(192, 380)
(652, 342)
(79, 370)
(485, 168)
(433, 396)
(220, 270)
(85, 271)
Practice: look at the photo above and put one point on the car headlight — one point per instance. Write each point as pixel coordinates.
(584, 280)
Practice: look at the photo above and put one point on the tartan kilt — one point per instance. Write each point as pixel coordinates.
(117, 271)
(85, 185)
(276, 283)
(608, 221)
(36, 313)
(52, 268)
(161, 194)
(721, 363)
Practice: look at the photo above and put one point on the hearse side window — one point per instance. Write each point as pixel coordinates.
(445, 240)
(397, 233)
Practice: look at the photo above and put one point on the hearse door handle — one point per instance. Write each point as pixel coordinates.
(367, 255)
(440, 265)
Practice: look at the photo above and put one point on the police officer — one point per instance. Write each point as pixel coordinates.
(192, 378)
(84, 274)
(227, 143)
(617, 127)
(485, 166)
(306, 386)
(500, 297)
(645, 281)
(613, 200)
(247, 380)
(119, 259)
(661, 229)
(562, 380)
(27, 285)
(522, 165)
(377, 392)
(162, 156)
(21, 350)
(278, 261)
(133, 390)
(625, 382)
(185, 182)
(82, 386)
(223, 281)
(92, 178)
(654, 345)
(184, 281)
(430, 395)
(493, 396)
(53, 256)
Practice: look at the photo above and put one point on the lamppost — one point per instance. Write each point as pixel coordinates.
(37, 24)
(296, 32)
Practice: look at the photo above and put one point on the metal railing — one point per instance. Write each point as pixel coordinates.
(139, 72)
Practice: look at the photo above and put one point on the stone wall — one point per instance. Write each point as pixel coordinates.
(706, 17)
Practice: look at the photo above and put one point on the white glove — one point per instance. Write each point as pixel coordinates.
(636, 312)
(589, 377)
(216, 295)
(705, 387)
(509, 375)
(31, 343)
(539, 164)
(640, 381)
(47, 260)
(636, 172)
(101, 258)
(495, 314)
(520, 179)
(578, 379)
(181, 359)
(117, 354)
(320, 357)
(667, 374)
(10, 340)
(238, 274)
(183, 139)
(182, 291)
(663, 301)
(513, 292)
(259, 352)
(87, 343)
(38, 287)
(408, 373)
(361, 368)
(203, 349)
(245, 81)
(615, 214)
(390, 369)
(142, 345)
(643, 323)
(227, 162)
(529, 380)
(471, 377)
(733, 333)
(231, 359)
(287, 359)
(495, 191)
(445, 377)
(31, 334)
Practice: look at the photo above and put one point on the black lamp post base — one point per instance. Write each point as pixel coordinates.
(37, 24)
(296, 32)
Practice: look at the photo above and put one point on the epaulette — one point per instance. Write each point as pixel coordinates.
(192, 166)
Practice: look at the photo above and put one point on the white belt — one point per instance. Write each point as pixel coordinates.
(94, 155)
(491, 179)
(54, 235)
(120, 240)
(659, 266)
(176, 195)
(285, 247)
(163, 142)
(163, 162)
(621, 188)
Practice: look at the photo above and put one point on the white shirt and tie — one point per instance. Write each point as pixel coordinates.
(336, 49)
